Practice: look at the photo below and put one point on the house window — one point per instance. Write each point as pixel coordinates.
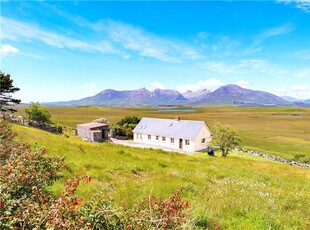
(157, 138)
(172, 140)
(163, 138)
(141, 136)
(149, 137)
(186, 142)
(137, 136)
(203, 140)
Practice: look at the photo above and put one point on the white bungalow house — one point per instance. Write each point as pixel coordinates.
(186, 135)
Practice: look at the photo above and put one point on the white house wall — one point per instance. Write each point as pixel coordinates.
(164, 144)
(203, 133)
(194, 145)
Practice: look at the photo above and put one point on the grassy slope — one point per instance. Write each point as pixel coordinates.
(238, 192)
(284, 136)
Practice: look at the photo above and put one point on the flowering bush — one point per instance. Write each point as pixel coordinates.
(157, 213)
(24, 175)
(26, 204)
(100, 214)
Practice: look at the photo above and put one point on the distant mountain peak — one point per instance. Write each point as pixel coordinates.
(142, 89)
(225, 95)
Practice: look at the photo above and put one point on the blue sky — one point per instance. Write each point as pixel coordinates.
(68, 50)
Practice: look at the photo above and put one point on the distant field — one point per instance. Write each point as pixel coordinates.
(238, 192)
(271, 130)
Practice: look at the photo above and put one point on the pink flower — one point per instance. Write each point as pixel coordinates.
(186, 204)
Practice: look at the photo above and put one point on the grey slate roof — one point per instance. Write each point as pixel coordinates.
(92, 125)
(185, 129)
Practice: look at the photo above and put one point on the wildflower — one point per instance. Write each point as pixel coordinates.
(1, 205)
(88, 179)
(75, 202)
(43, 151)
(186, 204)
(128, 226)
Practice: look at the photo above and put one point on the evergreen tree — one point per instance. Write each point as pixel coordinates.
(6, 91)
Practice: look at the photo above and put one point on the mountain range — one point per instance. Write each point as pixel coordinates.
(224, 95)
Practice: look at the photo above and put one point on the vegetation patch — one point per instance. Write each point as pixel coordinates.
(240, 191)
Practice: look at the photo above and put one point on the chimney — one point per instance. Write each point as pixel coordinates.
(177, 118)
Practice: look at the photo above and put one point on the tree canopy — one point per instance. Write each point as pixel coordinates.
(36, 112)
(129, 120)
(225, 138)
(6, 91)
(125, 126)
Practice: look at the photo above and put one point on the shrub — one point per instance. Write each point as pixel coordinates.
(26, 204)
(129, 120)
(36, 112)
(100, 214)
(225, 138)
(24, 175)
(156, 213)
(125, 126)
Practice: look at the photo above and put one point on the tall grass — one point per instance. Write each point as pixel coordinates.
(238, 192)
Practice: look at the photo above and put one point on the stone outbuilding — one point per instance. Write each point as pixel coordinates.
(93, 131)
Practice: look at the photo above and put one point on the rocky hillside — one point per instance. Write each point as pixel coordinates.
(225, 95)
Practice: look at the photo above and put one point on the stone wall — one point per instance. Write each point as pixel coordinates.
(274, 158)
(20, 120)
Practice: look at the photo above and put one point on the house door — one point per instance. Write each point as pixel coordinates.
(103, 134)
(180, 143)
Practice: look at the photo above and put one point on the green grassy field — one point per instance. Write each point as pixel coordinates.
(260, 129)
(238, 192)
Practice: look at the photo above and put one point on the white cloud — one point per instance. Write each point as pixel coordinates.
(8, 49)
(300, 91)
(268, 33)
(130, 38)
(219, 67)
(157, 85)
(305, 54)
(146, 44)
(242, 83)
(210, 83)
(116, 38)
(275, 31)
(91, 88)
(300, 88)
(244, 67)
(303, 73)
(303, 5)
(280, 91)
(184, 88)
(15, 30)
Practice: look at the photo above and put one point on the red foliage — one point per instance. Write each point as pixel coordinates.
(158, 213)
(88, 179)
(186, 205)
(43, 151)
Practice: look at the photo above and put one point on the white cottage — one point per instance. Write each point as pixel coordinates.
(186, 135)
